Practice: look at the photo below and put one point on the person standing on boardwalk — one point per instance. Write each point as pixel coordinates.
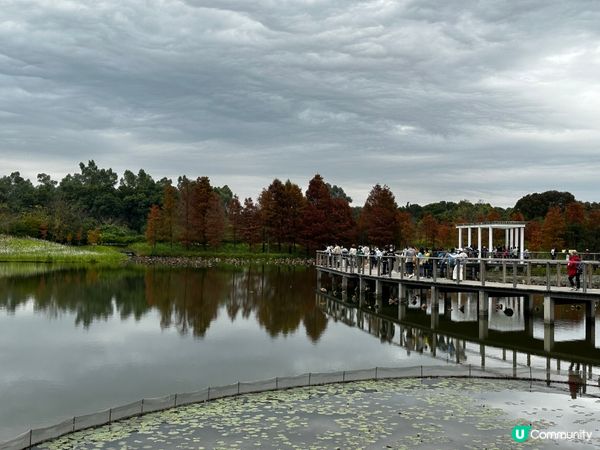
(574, 269)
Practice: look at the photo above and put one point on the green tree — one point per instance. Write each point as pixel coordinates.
(137, 193)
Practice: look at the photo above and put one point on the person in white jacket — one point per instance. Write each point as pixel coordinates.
(460, 261)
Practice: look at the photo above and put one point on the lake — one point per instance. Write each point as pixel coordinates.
(75, 341)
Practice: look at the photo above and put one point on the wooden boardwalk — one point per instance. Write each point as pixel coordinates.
(477, 275)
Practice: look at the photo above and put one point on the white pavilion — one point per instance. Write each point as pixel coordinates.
(514, 233)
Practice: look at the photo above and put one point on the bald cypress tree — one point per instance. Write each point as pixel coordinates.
(378, 219)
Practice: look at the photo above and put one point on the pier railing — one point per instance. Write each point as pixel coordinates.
(515, 272)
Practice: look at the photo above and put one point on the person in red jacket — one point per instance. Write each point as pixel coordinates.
(574, 269)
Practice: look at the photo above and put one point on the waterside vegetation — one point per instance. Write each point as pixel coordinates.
(191, 217)
(37, 250)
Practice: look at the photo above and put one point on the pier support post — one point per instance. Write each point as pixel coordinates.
(435, 308)
(548, 336)
(590, 323)
(548, 323)
(482, 353)
(528, 313)
(378, 287)
(319, 275)
(344, 288)
(402, 301)
(482, 314)
(361, 291)
(548, 309)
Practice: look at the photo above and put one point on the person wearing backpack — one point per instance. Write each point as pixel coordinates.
(574, 269)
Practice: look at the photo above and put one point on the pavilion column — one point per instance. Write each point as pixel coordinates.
(460, 238)
(479, 240)
(522, 242)
(490, 239)
(469, 236)
(506, 238)
(510, 238)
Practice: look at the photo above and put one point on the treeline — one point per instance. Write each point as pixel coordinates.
(96, 206)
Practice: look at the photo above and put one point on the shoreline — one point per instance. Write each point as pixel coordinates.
(213, 261)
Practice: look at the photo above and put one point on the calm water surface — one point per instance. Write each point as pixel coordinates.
(75, 341)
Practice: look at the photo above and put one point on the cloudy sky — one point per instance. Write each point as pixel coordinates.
(441, 100)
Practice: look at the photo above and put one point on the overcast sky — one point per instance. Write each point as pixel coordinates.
(441, 100)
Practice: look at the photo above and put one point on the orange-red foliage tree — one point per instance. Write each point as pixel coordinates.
(214, 221)
(317, 229)
(250, 223)
(429, 229)
(185, 210)
(168, 214)
(234, 212)
(553, 229)
(406, 228)
(378, 219)
(153, 225)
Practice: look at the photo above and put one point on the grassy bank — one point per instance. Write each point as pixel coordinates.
(37, 250)
(225, 251)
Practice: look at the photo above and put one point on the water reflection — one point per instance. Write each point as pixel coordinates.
(506, 322)
(187, 300)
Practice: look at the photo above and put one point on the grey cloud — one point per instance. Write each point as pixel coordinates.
(361, 92)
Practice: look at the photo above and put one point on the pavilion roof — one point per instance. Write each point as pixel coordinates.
(495, 224)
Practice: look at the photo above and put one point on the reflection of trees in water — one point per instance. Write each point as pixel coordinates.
(89, 294)
(188, 299)
(282, 297)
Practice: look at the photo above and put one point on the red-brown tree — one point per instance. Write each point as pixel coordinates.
(234, 212)
(214, 221)
(250, 223)
(553, 229)
(185, 211)
(152, 225)
(317, 228)
(168, 214)
(378, 219)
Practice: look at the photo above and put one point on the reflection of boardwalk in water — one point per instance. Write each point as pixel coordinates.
(494, 312)
(495, 341)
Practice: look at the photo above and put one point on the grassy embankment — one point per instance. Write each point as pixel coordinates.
(37, 250)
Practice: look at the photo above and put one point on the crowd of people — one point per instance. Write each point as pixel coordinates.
(411, 255)
(385, 259)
